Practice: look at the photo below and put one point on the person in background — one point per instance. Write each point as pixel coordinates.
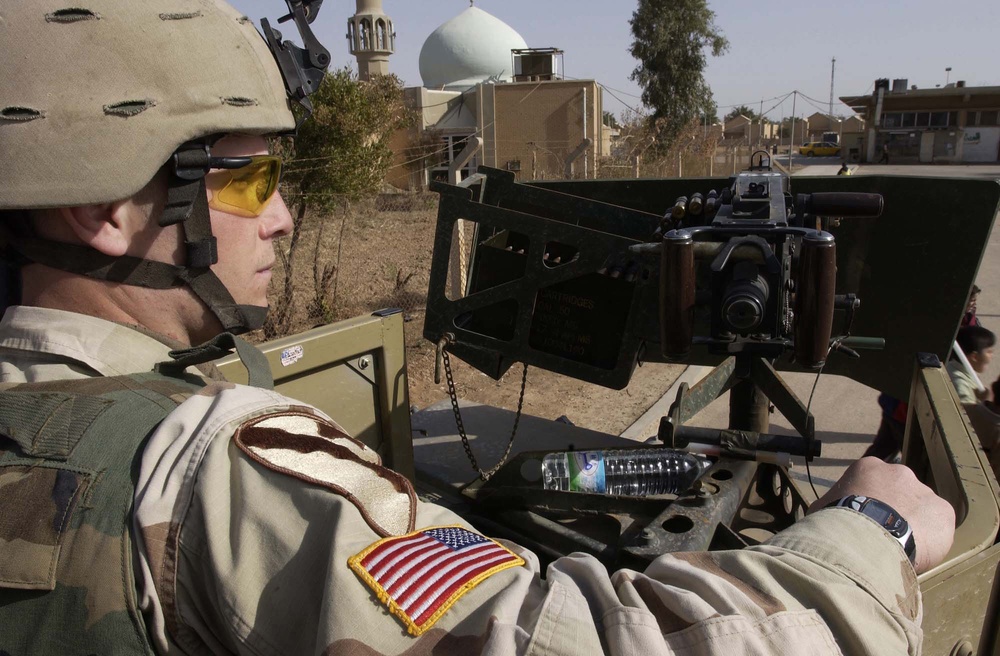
(977, 344)
(885, 154)
(888, 440)
(970, 318)
(844, 170)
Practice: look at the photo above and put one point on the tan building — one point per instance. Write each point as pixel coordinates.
(820, 124)
(741, 127)
(488, 99)
(955, 123)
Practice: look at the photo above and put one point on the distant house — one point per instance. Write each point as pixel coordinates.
(753, 131)
(955, 123)
(821, 124)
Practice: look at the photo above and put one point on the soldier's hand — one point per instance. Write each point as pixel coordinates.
(931, 518)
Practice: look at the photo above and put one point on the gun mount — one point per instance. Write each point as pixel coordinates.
(591, 278)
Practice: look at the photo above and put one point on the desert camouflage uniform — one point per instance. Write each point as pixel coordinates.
(249, 505)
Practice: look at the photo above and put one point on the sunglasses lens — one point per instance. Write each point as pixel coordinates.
(248, 189)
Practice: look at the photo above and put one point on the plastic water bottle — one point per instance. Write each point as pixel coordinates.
(627, 472)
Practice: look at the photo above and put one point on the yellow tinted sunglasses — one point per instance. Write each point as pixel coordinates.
(243, 185)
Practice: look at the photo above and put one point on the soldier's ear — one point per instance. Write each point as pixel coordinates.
(101, 226)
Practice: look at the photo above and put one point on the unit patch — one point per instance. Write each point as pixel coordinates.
(419, 576)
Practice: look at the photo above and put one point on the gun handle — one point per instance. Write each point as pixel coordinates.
(814, 299)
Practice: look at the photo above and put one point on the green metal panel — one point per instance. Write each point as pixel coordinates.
(959, 594)
(354, 371)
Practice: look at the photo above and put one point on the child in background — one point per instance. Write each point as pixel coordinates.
(889, 439)
(977, 344)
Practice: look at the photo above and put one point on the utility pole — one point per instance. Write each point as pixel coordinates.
(781, 127)
(833, 67)
(791, 145)
(760, 123)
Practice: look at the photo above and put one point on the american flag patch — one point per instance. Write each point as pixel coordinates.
(421, 574)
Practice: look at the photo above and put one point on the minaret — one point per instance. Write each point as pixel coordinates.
(371, 39)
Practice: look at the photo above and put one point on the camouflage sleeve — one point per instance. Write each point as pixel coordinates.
(287, 537)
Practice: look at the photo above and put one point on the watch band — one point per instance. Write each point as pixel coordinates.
(885, 516)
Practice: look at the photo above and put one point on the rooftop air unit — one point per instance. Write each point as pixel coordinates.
(899, 85)
(536, 64)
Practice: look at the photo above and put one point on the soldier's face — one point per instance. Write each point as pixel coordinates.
(246, 244)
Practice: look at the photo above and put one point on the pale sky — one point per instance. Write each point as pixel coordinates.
(775, 47)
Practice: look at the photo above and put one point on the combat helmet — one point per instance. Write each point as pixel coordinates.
(98, 95)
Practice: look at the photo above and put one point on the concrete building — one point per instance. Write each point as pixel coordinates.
(955, 123)
(489, 99)
(371, 38)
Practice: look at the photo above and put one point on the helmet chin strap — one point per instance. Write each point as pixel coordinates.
(187, 203)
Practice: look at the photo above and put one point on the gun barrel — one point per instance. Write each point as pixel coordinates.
(837, 203)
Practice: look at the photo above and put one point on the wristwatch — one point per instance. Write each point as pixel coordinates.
(885, 516)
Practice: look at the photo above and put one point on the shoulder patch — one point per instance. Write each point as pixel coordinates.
(313, 450)
(419, 576)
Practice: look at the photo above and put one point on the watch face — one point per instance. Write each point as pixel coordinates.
(884, 516)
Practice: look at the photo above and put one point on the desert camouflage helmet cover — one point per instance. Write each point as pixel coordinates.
(96, 95)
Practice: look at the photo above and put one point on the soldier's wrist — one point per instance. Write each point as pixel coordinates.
(886, 517)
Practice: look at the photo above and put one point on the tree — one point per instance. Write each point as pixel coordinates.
(743, 110)
(634, 154)
(340, 155)
(671, 38)
(786, 126)
(710, 115)
(610, 120)
(344, 147)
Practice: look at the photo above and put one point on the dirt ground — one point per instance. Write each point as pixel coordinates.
(385, 259)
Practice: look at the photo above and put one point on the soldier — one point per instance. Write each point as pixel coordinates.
(149, 507)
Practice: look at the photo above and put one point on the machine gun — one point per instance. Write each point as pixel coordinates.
(747, 274)
(769, 288)
(592, 278)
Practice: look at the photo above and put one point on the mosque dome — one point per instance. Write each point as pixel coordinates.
(470, 48)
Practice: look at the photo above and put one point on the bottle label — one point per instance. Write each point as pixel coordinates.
(586, 471)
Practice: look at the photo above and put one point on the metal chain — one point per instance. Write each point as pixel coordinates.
(485, 475)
